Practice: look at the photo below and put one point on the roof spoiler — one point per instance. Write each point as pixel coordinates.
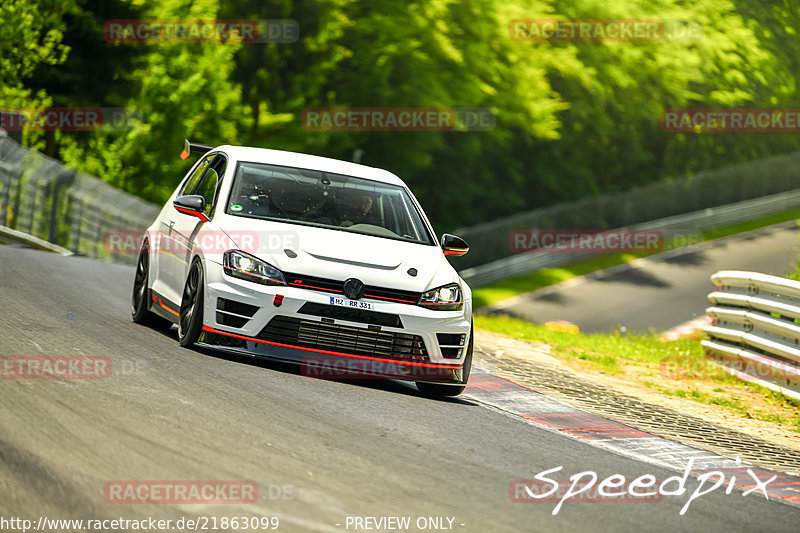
(194, 148)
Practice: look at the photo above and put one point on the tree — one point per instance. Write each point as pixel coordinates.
(30, 36)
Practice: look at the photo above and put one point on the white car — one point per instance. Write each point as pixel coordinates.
(307, 259)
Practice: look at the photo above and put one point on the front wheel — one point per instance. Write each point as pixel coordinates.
(438, 390)
(190, 319)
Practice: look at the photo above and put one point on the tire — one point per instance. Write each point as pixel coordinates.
(190, 319)
(140, 313)
(437, 390)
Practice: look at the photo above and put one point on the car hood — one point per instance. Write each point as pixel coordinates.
(340, 254)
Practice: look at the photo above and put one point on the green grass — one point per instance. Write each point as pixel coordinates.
(598, 347)
(678, 361)
(737, 406)
(734, 404)
(645, 348)
(549, 276)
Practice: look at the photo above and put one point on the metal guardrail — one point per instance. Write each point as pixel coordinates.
(670, 227)
(755, 333)
(41, 197)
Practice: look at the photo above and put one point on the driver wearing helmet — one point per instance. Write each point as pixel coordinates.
(355, 209)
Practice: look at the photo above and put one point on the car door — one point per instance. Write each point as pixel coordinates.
(183, 228)
(166, 265)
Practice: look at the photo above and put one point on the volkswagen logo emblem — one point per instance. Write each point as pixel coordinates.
(354, 288)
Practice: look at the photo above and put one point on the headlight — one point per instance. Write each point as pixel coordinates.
(245, 266)
(444, 298)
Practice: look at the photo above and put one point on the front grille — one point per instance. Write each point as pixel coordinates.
(351, 315)
(315, 283)
(344, 339)
(335, 286)
(383, 293)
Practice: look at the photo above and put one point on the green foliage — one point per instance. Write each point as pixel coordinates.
(30, 36)
(609, 350)
(573, 118)
(183, 90)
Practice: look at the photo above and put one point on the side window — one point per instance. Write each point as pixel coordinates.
(192, 182)
(208, 189)
(219, 167)
(210, 185)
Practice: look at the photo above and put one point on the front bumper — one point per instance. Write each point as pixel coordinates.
(395, 341)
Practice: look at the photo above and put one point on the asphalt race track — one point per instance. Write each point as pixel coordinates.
(660, 292)
(320, 451)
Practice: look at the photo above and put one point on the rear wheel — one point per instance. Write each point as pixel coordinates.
(190, 319)
(140, 313)
(437, 390)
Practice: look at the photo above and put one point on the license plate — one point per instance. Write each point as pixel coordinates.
(355, 304)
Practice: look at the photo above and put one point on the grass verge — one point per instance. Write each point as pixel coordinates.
(549, 276)
(676, 368)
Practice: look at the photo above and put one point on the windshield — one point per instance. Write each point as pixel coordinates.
(334, 201)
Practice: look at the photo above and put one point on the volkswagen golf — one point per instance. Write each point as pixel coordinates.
(306, 259)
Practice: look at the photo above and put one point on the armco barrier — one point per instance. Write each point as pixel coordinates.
(755, 333)
(41, 197)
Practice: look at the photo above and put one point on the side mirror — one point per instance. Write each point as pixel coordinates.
(191, 204)
(453, 245)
